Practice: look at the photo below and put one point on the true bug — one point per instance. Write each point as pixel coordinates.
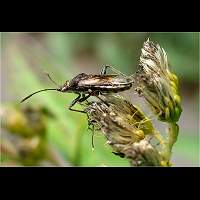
(86, 85)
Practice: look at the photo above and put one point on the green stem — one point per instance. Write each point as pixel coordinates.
(172, 138)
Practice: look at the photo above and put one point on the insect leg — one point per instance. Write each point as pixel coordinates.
(84, 98)
(122, 155)
(103, 101)
(91, 127)
(93, 136)
(74, 102)
(103, 70)
(78, 99)
(105, 67)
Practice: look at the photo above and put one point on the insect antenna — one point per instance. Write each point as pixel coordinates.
(36, 93)
(93, 138)
(51, 79)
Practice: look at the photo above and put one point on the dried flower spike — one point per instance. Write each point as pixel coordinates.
(125, 127)
(143, 154)
(157, 84)
(121, 122)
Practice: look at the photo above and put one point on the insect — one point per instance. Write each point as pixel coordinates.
(86, 85)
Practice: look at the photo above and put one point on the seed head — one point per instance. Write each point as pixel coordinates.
(157, 84)
(143, 153)
(122, 123)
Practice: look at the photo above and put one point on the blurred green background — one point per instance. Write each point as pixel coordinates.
(25, 56)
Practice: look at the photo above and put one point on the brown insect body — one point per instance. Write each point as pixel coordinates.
(87, 84)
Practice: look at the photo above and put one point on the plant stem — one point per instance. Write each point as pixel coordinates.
(173, 129)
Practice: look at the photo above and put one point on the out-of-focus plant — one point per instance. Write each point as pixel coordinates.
(126, 127)
(24, 141)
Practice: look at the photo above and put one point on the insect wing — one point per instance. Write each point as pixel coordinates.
(106, 80)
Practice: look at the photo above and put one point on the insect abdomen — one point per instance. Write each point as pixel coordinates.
(115, 88)
(104, 88)
(111, 88)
